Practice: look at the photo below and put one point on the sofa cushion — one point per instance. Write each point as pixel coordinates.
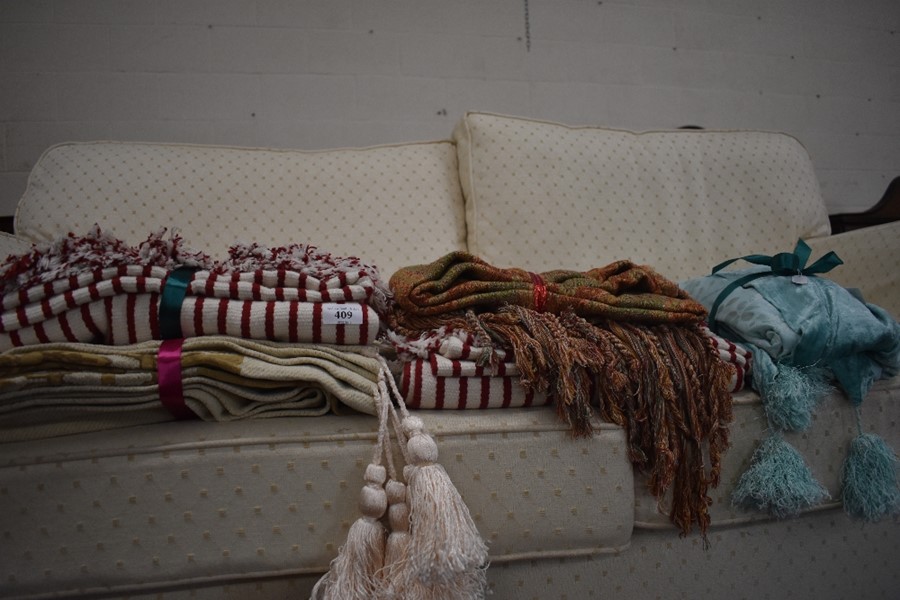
(383, 204)
(871, 262)
(189, 503)
(541, 195)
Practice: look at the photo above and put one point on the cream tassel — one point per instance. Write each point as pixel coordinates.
(355, 574)
(446, 550)
(397, 549)
(447, 558)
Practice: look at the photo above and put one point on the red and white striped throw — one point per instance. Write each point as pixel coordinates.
(442, 383)
(95, 288)
(741, 358)
(448, 343)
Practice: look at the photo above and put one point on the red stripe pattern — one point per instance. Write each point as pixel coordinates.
(739, 357)
(120, 305)
(441, 383)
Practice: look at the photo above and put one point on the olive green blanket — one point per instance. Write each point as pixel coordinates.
(620, 291)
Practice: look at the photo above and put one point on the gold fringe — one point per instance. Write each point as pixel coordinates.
(664, 384)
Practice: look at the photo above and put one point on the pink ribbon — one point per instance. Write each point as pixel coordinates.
(168, 370)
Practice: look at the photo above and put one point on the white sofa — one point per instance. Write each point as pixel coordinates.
(257, 509)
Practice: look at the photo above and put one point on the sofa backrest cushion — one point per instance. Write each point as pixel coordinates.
(385, 204)
(542, 195)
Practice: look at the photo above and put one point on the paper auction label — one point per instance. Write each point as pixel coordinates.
(342, 314)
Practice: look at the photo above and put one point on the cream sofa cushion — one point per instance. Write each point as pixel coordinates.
(793, 559)
(871, 262)
(194, 503)
(541, 195)
(385, 204)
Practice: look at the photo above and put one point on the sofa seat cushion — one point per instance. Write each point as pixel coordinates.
(383, 204)
(543, 196)
(823, 445)
(192, 502)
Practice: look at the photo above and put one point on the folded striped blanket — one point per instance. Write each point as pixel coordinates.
(62, 388)
(738, 356)
(442, 383)
(96, 288)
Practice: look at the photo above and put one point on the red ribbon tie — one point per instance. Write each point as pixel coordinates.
(539, 291)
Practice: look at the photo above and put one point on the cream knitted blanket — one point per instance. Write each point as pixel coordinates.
(63, 388)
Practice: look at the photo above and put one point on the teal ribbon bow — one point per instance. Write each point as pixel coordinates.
(784, 263)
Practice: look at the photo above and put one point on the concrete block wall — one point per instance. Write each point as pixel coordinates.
(328, 73)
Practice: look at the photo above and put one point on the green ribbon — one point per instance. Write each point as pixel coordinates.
(173, 293)
(784, 263)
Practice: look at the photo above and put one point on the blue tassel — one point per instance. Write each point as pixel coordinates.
(869, 479)
(793, 394)
(778, 481)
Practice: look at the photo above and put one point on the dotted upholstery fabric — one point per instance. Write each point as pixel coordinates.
(388, 205)
(871, 262)
(193, 502)
(800, 558)
(542, 196)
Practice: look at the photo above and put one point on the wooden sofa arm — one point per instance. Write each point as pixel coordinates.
(885, 211)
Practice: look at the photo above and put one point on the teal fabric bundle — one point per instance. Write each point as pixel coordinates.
(805, 333)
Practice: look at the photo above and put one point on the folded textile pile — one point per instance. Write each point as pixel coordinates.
(443, 369)
(221, 357)
(81, 319)
(448, 370)
(97, 289)
(51, 389)
(442, 383)
(805, 332)
(622, 337)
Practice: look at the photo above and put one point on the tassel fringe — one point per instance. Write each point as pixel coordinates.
(869, 479)
(665, 384)
(778, 481)
(445, 547)
(792, 396)
(431, 548)
(355, 571)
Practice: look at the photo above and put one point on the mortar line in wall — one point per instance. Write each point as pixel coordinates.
(4, 167)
